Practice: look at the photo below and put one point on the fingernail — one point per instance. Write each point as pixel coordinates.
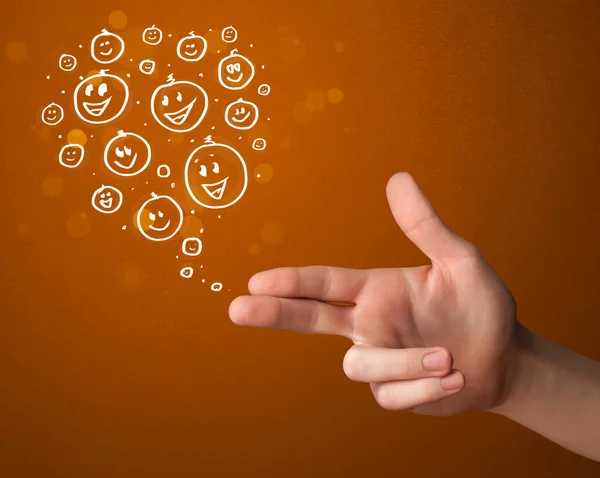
(436, 361)
(453, 381)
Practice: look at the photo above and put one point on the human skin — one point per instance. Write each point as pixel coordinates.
(439, 339)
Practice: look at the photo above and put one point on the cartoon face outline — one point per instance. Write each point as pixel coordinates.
(216, 287)
(53, 114)
(67, 62)
(152, 35)
(186, 272)
(191, 246)
(215, 175)
(235, 71)
(165, 215)
(107, 47)
(264, 89)
(259, 144)
(127, 154)
(241, 114)
(147, 66)
(71, 155)
(166, 168)
(229, 34)
(172, 109)
(107, 199)
(93, 111)
(192, 47)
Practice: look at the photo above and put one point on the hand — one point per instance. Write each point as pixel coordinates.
(457, 306)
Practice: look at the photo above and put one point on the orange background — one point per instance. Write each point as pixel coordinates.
(113, 365)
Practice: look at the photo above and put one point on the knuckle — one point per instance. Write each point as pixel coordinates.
(354, 364)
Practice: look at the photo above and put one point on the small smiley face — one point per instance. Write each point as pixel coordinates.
(101, 98)
(67, 62)
(235, 71)
(107, 199)
(152, 35)
(259, 144)
(241, 114)
(107, 47)
(191, 47)
(71, 155)
(186, 272)
(192, 246)
(159, 218)
(127, 154)
(147, 67)
(229, 34)
(264, 89)
(52, 114)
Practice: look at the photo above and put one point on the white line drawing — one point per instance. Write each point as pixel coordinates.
(171, 95)
(71, 155)
(259, 144)
(97, 87)
(107, 199)
(152, 35)
(218, 160)
(192, 246)
(67, 62)
(107, 47)
(264, 89)
(241, 114)
(216, 286)
(122, 159)
(165, 216)
(235, 71)
(147, 67)
(229, 34)
(186, 272)
(165, 168)
(191, 47)
(52, 114)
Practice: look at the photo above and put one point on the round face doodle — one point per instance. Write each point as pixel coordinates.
(264, 89)
(107, 199)
(71, 155)
(241, 114)
(191, 48)
(67, 62)
(259, 144)
(186, 272)
(215, 175)
(192, 246)
(52, 114)
(152, 35)
(127, 154)
(179, 106)
(235, 71)
(101, 98)
(147, 67)
(107, 47)
(229, 34)
(159, 218)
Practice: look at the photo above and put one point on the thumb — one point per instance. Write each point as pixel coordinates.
(420, 222)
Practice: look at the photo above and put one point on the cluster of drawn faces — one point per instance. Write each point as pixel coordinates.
(215, 174)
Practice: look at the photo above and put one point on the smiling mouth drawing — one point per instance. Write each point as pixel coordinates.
(160, 229)
(132, 162)
(216, 190)
(106, 203)
(179, 117)
(96, 109)
(190, 54)
(49, 118)
(241, 120)
(107, 53)
(235, 81)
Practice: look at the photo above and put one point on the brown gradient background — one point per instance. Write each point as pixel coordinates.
(111, 365)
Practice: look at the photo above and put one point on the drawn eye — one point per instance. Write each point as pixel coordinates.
(108, 194)
(127, 151)
(160, 214)
(216, 168)
(243, 110)
(236, 67)
(152, 216)
(119, 152)
(102, 195)
(165, 101)
(203, 172)
(230, 69)
(88, 89)
(102, 89)
(107, 42)
(179, 96)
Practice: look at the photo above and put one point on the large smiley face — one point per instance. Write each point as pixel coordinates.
(52, 114)
(241, 114)
(235, 71)
(71, 155)
(127, 154)
(215, 175)
(107, 47)
(147, 67)
(229, 34)
(107, 199)
(191, 47)
(67, 62)
(179, 106)
(159, 218)
(152, 35)
(101, 98)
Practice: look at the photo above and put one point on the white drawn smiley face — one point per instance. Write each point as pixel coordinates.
(52, 114)
(179, 106)
(191, 47)
(152, 35)
(101, 98)
(127, 154)
(107, 47)
(67, 62)
(229, 34)
(71, 155)
(241, 114)
(159, 218)
(107, 199)
(235, 71)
